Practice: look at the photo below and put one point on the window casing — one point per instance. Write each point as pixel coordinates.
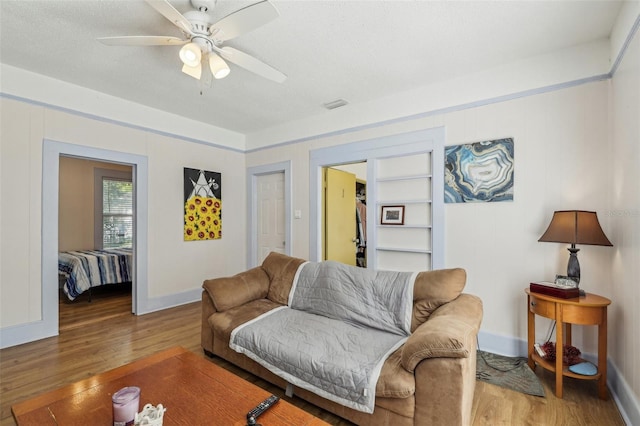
(113, 206)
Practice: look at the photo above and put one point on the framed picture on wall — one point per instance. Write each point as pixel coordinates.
(479, 172)
(202, 205)
(392, 215)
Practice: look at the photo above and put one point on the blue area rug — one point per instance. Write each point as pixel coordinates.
(507, 372)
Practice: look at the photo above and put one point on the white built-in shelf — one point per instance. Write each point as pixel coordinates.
(404, 250)
(408, 177)
(400, 202)
(417, 182)
(405, 226)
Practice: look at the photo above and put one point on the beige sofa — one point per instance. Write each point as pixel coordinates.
(430, 380)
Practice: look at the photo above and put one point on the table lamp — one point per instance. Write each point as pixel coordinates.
(575, 227)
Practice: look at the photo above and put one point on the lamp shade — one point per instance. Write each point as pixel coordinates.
(190, 54)
(218, 66)
(195, 72)
(575, 227)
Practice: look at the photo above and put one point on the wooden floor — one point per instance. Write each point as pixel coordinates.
(110, 336)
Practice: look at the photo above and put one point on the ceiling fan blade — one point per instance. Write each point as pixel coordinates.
(244, 20)
(252, 64)
(195, 72)
(142, 41)
(170, 12)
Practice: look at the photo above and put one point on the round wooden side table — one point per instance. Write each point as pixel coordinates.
(589, 309)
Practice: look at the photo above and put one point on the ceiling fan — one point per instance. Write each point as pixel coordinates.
(203, 39)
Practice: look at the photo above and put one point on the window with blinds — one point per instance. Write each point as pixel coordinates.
(117, 213)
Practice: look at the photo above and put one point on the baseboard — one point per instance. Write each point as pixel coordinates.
(25, 333)
(502, 345)
(623, 395)
(153, 304)
(621, 392)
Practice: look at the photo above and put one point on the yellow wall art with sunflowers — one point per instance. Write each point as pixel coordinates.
(202, 205)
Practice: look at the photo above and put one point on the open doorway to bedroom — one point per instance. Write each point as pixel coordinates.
(51, 153)
(95, 241)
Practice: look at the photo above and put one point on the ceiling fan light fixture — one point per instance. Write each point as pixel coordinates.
(202, 36)
(195, 72)
(190, 54)
(218, 66)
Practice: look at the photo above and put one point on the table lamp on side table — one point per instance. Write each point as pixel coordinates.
(575, 227)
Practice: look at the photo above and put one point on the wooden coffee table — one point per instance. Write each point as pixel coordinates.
(194, 390)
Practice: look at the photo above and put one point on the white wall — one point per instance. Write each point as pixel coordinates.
(563, 160)
(561, 141)
(174, 266)
(624, 225)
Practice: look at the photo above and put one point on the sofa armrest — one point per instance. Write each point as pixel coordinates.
(229, 292)
(450, 332)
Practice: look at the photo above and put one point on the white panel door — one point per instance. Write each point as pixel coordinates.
(271, 214)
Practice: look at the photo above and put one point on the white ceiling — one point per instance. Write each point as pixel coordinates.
(356, 50)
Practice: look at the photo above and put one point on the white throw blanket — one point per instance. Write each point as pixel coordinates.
(341, 324)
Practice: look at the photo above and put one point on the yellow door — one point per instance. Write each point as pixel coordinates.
(340, 216)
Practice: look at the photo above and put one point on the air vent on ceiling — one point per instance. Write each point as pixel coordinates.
(335, 104)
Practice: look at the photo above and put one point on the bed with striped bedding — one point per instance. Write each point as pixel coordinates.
(84, 269)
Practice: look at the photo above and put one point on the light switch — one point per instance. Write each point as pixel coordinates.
(297, 214)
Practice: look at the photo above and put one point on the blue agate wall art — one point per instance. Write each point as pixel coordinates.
(479, 172)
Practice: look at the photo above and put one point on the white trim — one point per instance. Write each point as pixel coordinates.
(428, 140)
(625, 45)
(623, 395)
(117, 122)
(438, 111)
(252, 203)
(51, 152)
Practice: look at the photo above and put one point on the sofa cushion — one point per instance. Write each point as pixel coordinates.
(364, 297)
(281, 269)
(394, 380)
(229, 292)
(223, 323)
(433, 289)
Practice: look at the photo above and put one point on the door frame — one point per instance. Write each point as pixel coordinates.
(48, 325)
(52, 151)
(252, 207)
(427, 140)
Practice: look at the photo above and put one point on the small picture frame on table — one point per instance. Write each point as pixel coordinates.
(392, 215)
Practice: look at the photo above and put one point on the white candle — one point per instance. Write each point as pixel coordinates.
(125, 406)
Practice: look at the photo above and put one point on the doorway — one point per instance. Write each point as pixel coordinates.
(344, 213)
(95, 201)
(52, 151)
(269, 209)
(271, 215)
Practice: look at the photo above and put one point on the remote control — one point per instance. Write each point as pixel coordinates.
(261, 408)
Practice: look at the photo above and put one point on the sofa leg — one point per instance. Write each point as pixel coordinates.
(208, 353)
